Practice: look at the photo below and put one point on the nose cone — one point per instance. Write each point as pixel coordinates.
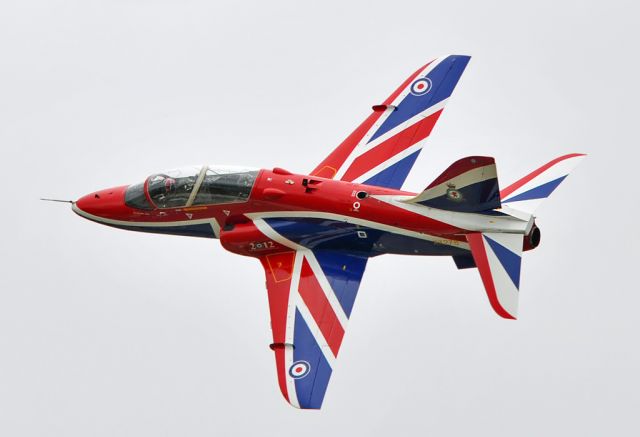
(104, 204)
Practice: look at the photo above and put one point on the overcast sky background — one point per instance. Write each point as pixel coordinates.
(105, 332)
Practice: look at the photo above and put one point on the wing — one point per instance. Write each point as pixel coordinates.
(382, 150)
(311, 295)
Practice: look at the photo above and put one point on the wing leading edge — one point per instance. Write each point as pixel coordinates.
(311, 295)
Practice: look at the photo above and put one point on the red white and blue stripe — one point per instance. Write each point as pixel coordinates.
(498, 257)
(310, 298)
(527, 193)
(383, 149)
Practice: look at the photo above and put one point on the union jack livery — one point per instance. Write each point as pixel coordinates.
(313, 233)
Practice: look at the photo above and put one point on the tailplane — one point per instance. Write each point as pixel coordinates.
(498, 257)
(528, 193)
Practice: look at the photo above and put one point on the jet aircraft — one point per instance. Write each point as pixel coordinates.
(313, 233)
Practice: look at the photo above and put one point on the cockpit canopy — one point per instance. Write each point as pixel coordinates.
(190, 186)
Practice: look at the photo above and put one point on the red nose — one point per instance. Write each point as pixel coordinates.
(108, 204)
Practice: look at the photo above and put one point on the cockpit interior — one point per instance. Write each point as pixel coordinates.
(192, 186)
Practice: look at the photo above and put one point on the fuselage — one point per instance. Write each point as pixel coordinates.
(308, 211)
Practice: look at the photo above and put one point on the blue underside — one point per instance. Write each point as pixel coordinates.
(328, 239)
(332, 235)
(203, 230)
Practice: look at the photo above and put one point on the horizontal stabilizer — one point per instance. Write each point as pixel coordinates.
(468, 185)
(529, 192)
(498, 257)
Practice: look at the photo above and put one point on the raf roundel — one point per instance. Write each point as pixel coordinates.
(299, 369)
(421, 86)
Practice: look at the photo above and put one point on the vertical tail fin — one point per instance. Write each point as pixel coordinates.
(498, 258)
(468, 185)
(529, 192)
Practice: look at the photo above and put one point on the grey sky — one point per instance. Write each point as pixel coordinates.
(105, 332)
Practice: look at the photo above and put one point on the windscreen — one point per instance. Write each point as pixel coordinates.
(135, 197)
(171, 189)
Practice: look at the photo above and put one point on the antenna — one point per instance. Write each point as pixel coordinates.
(58, 200)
